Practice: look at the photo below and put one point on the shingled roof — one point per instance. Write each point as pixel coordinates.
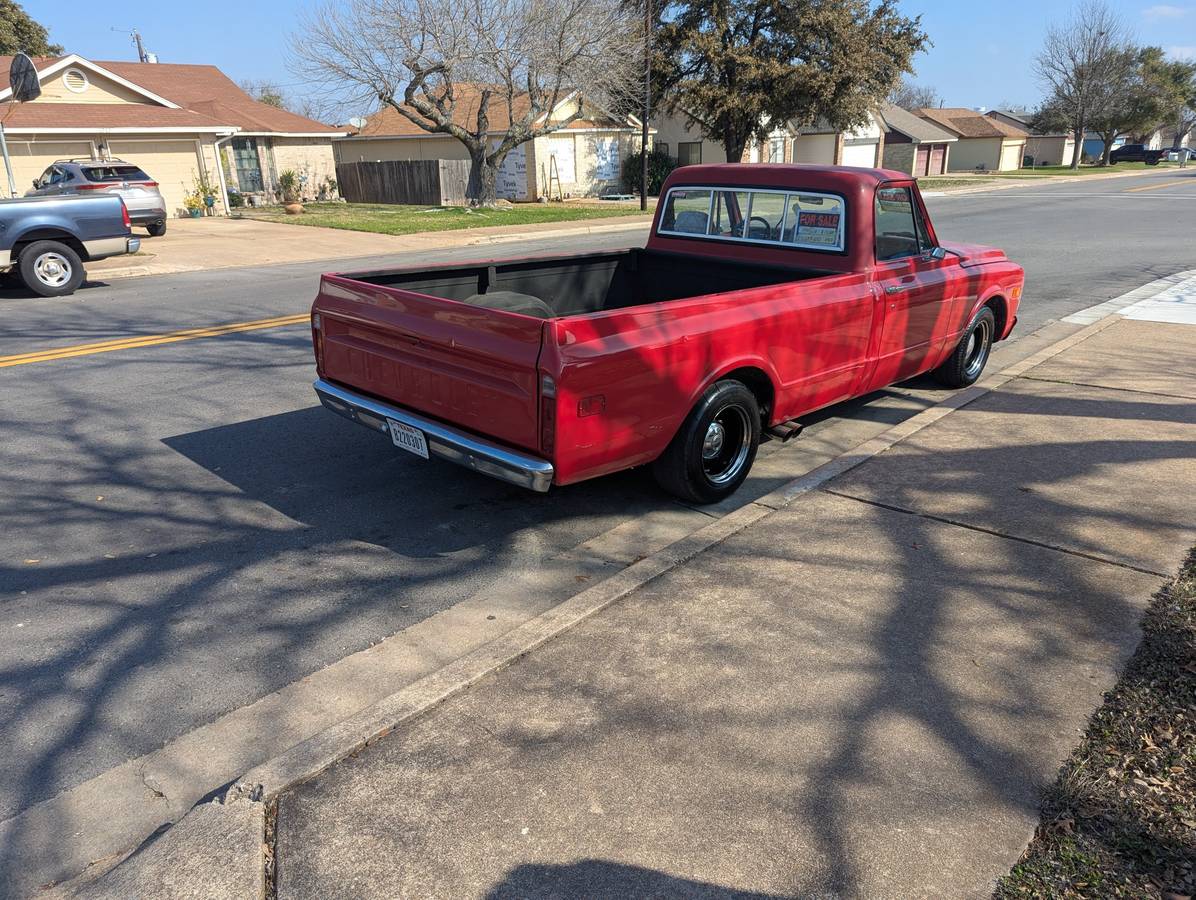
(208, 98)
(968, 123)
(918, 130)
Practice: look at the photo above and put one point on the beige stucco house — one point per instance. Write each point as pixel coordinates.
(914, 145)
(682, 136)
(1054, 149)
(583, 159)
(174, 121)
(984, 143)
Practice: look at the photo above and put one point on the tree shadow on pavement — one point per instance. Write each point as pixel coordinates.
(597, 879)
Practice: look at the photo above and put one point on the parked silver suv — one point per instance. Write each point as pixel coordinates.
(111, 176)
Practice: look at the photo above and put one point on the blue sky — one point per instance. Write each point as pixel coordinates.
(982, 52)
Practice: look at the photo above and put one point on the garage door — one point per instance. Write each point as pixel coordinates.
(173, 164)
(30, 159)
(922, 162)
(860, 155)
(1011, 157)
(938, 159)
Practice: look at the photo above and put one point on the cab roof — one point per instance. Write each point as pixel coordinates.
(841, 179)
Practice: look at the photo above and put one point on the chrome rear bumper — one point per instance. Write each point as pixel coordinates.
(448, 443)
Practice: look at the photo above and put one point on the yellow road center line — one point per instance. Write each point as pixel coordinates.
(1155, 187)
(149, 340)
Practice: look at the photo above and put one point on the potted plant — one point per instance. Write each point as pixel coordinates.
(194, 204)
(288, 187)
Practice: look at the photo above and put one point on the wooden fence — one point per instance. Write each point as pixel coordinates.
(419, 182)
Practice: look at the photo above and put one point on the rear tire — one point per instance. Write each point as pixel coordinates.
(711, 455)
(156, 229)
(50, 269)
(967, 360)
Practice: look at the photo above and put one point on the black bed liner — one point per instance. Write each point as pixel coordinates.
(573, 285)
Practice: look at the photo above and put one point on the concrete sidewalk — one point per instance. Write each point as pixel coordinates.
(859, 694)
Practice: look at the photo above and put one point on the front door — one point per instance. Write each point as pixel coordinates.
(914, 289)
(247, 164)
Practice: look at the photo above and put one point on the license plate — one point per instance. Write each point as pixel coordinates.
(407, 438)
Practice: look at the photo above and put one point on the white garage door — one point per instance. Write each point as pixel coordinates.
(860, 155)
(30, 159)
(1011, 157)
(173, 164)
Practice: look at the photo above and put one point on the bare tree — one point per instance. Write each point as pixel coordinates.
(449, 66)
(266, 92)
(1081, 64)
(912, 96)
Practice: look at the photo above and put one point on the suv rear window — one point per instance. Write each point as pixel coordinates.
(114, 173)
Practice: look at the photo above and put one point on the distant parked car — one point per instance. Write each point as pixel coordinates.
(44, 241)
(1136, 153)
(110, 176)
(1174, 155)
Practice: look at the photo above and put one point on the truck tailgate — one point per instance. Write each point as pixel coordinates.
(469, 366)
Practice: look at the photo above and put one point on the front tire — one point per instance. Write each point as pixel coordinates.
(156, 229)
(967, 361)
(51, 269)
(711, 455)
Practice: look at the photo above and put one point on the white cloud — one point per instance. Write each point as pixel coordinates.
(1164, 11)
(1188, 53)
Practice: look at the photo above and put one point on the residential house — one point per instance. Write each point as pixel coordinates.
(681, 135)
(825, 145)
(583, 159)
(914, 145)
(1044, 148)
(984, 143)
(174, 121)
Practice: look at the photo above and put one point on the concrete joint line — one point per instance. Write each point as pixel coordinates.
(1103, 387)
(1004, 535)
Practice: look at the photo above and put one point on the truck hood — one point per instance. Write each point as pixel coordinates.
(973, 254)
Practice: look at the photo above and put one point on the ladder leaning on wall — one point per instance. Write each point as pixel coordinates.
(554, 177)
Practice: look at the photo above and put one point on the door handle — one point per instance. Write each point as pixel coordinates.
(897, 288)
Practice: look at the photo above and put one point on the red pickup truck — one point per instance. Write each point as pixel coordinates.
(764, 292)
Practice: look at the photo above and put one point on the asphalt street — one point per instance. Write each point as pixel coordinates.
(185, 530)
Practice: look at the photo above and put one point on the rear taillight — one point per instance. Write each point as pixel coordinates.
(124, 214)
(143, 183)
(95, 187)
(547, 413)
(317, 340)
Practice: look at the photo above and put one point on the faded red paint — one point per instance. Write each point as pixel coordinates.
(626, 378)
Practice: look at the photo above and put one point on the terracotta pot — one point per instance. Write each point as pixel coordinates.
(293, 209)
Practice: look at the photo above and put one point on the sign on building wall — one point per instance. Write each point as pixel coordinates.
(606, 158)
(561, 149)
(512, 175)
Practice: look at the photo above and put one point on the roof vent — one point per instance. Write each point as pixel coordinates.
(75, 80)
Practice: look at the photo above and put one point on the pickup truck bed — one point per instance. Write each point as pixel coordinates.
(792, 288)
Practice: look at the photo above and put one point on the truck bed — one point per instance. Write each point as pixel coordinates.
(588, 283)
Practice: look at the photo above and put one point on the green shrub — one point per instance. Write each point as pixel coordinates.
(659, 166)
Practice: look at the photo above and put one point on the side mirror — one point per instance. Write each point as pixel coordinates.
(35, 184)
(936, 253)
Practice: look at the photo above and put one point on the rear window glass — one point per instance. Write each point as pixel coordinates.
(114, 173)
(803, 220)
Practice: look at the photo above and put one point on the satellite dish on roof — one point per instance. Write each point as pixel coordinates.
(22, 75)
(357, 122)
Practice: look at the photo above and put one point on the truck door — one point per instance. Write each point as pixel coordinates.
(915, 288)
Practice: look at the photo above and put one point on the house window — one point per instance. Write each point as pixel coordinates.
(689, 153)
(662, 146)
(776, 150)
(247, 165)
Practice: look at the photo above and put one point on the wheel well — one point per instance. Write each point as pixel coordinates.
(48, 234)
(1000, 313)
(758, 382)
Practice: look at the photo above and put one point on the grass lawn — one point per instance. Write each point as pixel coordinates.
(947, 182)
(1084, 170)
(386, 219)
(1120, 821)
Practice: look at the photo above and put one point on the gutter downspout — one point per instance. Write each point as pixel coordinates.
(220, 171)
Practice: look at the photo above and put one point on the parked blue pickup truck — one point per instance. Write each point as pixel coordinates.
(44, 241)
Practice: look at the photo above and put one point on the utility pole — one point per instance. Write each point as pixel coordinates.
(647, 104)
(142, 54)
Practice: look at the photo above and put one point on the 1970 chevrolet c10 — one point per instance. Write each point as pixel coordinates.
(764, 292)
